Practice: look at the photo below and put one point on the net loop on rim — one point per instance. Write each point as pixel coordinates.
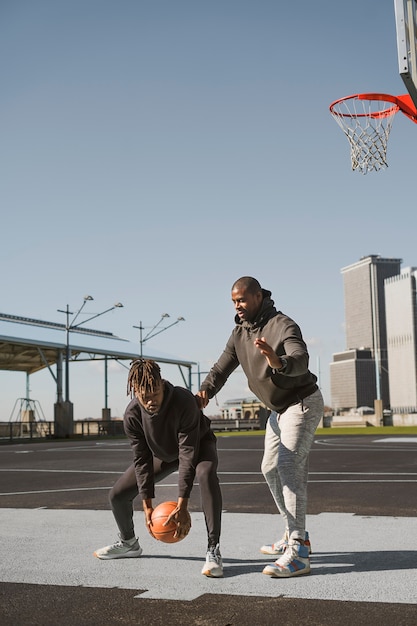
(366, 120)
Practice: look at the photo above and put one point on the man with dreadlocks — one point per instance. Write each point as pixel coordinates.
(167, 432)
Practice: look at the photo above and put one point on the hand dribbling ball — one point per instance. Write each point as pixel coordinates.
(159, 517)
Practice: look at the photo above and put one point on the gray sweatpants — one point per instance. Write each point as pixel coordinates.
(288, 439)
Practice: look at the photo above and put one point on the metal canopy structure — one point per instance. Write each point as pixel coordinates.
(24, 355)
(21, 354)
(29, 345)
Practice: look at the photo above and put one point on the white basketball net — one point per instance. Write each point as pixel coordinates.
(367, 125)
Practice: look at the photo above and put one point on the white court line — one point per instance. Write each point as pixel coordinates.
(88, 448)
(73, 471)
(26, 493)
(369, 445)
(396, 440)
(364, 473)
(223, 484)
(59, 471)
(80, 449)
(359, 482)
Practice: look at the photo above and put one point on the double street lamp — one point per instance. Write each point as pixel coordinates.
(151, 333)
(71, 326)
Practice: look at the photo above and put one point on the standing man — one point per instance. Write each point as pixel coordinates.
(270, 348)
(167, 432)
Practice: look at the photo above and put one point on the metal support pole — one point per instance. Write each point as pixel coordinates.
(67, 355)
(59, 377)
(106, 395)
(375, 322)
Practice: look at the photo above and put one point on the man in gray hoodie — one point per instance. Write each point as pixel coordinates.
(272, 353)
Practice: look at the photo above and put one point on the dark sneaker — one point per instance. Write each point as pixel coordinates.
(120, 550)
(213, 567)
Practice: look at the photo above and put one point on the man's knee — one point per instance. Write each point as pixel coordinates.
(113, 496)
(205, 472)
(118, 495)
(268, 466)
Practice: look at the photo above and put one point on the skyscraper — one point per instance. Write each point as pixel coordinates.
(359, 376)
(400, 305)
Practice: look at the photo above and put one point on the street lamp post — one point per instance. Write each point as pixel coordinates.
(66, 416)
(151, 333)
(72, 326)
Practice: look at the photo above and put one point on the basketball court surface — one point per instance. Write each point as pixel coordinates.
(362, 513)
(362, 518)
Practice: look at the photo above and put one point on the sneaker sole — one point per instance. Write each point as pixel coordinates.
(286, 573)
(211, 574)
(105, 557)
(264, 550)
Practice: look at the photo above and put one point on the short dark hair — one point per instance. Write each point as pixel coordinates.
(144, 375)
(247, 283)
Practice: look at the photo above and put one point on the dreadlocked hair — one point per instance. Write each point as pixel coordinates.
(144, 375)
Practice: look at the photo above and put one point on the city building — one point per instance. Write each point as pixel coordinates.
(352, 376)
(400, 304)
(359, 375)
(245, 409)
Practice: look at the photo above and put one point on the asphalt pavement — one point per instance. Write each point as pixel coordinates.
(362, 520)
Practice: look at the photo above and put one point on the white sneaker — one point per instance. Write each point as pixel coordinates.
(294, 562)
(278, 547)
(213, 567)
(281, 545)
(120, 550)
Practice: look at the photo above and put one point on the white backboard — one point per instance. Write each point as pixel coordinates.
(406, 24)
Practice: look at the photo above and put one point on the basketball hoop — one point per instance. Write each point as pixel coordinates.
(366, 119)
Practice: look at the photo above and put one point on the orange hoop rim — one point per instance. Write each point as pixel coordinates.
(401, 103)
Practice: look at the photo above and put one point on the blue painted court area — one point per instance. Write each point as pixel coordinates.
(374, 549)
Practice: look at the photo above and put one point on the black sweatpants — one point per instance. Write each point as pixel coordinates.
(125, 491)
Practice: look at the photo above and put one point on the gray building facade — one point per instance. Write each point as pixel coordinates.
(351, 379)
(401, 314)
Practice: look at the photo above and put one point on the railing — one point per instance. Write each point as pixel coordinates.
(221, 425)
(13, 431)
(101, 428)
(25, 430)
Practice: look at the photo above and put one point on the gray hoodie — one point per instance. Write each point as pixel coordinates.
(276, 390)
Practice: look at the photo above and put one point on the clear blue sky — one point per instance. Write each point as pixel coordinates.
(153, 151)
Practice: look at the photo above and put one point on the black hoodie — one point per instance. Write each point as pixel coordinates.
(173, 433)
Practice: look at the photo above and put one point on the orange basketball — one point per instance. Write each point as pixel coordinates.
(159, 517)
